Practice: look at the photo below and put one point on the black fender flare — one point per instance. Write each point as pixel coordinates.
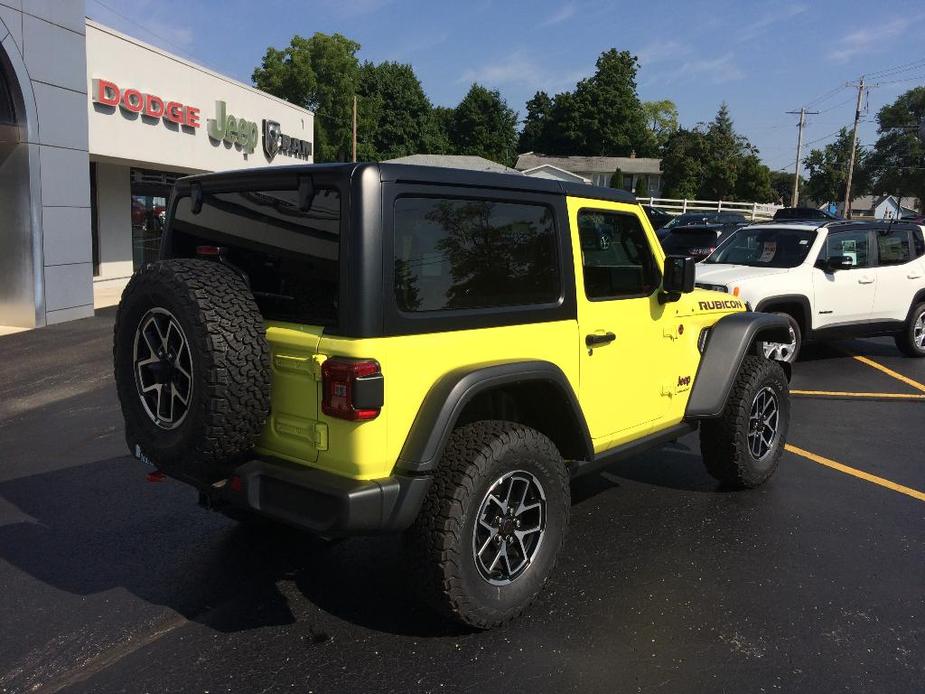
(730, 339)
(770, 302)
(448, 397)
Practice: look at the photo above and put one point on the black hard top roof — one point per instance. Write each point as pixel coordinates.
(409, 173)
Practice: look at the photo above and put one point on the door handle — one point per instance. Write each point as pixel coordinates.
(865, 280)
(598, 339)
(914, 275)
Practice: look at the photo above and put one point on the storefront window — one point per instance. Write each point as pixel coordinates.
(150, 193)
(7, 113)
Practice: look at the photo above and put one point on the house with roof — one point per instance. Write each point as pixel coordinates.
(594, 170)
(455, 161)
(881, 207)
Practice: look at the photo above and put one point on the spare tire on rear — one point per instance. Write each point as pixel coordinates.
(192, 367)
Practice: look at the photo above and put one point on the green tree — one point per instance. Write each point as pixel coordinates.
(828, 170)
(897, 163)
(484, 125)
(320, 73)
(753, 183)
(438, 131)
(683, 160)
(642, 187)
(782, 187)
(616, 179)
(394, 113)
(607, 106)
(661, 119)
(726, 152)
(536, 124)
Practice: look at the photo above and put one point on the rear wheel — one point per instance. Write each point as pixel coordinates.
(785, 351)
(743, 447)
(488, 535)
(911, 341)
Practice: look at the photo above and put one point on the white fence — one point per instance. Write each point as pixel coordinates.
(752, 210)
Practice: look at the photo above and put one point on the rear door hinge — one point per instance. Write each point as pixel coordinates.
(320, 437)
(303, 365)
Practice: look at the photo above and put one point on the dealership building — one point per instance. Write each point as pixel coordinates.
(94, 128)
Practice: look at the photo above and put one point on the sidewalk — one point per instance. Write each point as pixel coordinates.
(105, 293)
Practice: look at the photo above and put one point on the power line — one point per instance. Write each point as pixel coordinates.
(116, 12)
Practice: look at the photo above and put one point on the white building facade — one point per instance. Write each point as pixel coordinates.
(94, 128)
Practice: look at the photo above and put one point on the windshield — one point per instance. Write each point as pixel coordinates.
(765, 247)
(800, 213)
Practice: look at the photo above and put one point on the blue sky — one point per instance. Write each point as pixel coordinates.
(762, 58)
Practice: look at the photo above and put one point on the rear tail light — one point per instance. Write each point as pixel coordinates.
(208, 251)
(351, 388)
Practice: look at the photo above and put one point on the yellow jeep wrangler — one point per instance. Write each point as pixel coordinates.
(364, 348)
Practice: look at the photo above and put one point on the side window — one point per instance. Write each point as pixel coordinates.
(464, 254)
(918, 242)
(893, 246)
(854, 244)
(616, 257)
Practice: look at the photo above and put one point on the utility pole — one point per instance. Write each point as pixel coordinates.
(795, 198)
(854, 144)
(354, 127)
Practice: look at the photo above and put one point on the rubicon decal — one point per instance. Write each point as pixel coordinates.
(717, 305)
(130, 100)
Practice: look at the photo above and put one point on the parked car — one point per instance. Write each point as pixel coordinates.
(411, 361)
(803, 213)
(657, 217)
(729, 221)
(830, 280)
(697, 240)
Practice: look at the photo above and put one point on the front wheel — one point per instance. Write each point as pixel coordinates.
(743, 447)
(911, 341)
(785, 351)
(489, 532)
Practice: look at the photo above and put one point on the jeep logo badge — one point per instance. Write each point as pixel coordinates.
(271, 133)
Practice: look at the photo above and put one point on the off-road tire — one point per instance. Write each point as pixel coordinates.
(439, 543)
(724, 441)
(230, 397)
(905, 341)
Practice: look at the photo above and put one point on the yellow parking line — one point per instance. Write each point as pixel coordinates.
(889, 372)
(845, 394)
(908, 491)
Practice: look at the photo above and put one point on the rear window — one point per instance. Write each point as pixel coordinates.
(466, 254)
(289, 256)
(680, 240)
(893, 246)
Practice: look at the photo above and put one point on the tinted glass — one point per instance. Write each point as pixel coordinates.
(7, 114)
(681, 240)
(893, 246)
(464, 254)
(290, 256)
(616, 256)
(918, 243)
(853, 244)
(765, 247)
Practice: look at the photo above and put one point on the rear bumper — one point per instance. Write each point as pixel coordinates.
(320, 501)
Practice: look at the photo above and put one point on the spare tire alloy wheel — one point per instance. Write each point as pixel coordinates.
(163, 368)
(511, 524)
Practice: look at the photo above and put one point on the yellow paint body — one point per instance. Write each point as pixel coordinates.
(634, 386)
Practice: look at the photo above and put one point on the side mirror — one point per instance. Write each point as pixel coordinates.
(839, 262)
(678, 278)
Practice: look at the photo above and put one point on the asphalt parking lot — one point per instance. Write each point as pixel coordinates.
(814, 582)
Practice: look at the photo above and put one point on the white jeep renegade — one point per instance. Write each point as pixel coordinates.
(831, 280)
